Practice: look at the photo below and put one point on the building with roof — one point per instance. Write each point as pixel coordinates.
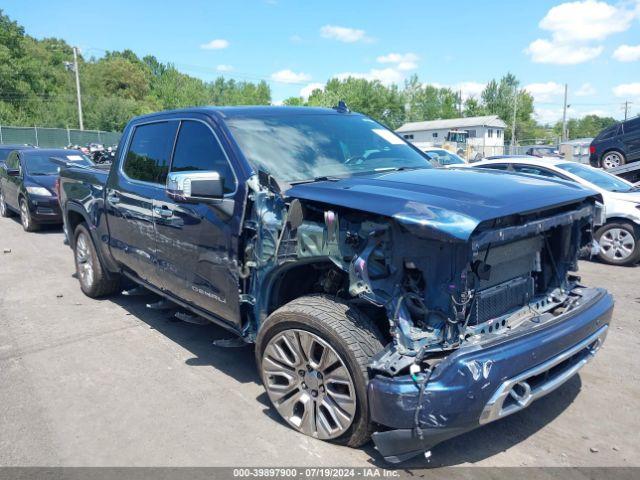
(486, 134)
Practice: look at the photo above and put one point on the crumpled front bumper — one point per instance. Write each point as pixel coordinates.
(478, 384)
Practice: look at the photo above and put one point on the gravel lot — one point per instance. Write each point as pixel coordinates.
(95, 383)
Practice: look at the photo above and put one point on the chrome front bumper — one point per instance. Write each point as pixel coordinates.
(518, 392)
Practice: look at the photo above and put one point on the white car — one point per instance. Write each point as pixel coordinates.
(442, 158)
(619, 238)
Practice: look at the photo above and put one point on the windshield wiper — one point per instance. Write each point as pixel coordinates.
(323, 178)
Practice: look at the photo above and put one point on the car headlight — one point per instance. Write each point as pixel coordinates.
(600, 214)
(41, 191)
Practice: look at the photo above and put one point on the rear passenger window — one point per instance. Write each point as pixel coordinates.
(543, 172)
(632, 125)
(197, 149)
(149, 152)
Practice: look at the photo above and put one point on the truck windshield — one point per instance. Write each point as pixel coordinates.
(300, 147)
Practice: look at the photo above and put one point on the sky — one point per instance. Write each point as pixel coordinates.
(592, 46)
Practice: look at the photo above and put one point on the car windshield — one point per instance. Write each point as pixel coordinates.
(601, 179)
(444, 157)
(298, 147)
(41, 164)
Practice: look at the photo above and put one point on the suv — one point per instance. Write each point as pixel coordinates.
(616, 145)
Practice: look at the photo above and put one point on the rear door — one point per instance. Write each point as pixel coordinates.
(130, 196)
(631, 139)
(197, 243)
(10, 184)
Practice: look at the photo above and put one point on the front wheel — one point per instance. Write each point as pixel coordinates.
(25, 217)
(312, 355)
(612, 160)
(619, 243)
(94, 281)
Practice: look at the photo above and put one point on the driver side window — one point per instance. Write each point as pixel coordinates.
(12, 161)
(198, 149)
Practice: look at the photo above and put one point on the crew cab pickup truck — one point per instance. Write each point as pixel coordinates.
(385, 298)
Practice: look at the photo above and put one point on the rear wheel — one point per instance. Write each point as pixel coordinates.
(25, 217)
(4, 210)
(94, 281)
(619, 243)
(612, 160)
(313, 354)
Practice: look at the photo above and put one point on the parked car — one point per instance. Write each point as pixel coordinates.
(619, 237)
(382, 294)
(616, 145)
(27, 182)
(442, 158)
(544, 151)
(6, 149)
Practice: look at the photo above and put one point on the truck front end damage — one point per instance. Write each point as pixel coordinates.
(482, 316)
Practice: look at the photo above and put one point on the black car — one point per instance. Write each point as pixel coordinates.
(616, 145)
(544, 151)
(27, 184)
(5, 150)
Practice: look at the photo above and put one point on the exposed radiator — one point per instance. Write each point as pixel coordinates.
(500, 299)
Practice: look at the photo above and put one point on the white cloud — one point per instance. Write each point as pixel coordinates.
(545, 92)
(574, 26)
(397, 58)
(403, 61)
(289, 76)
(344, 34)
(307, 90)
(627, 90)
(217, 44)
(224, 68)
(386, 76)
(545, 51)
(586, 20)
(627, 53)
(585, 90)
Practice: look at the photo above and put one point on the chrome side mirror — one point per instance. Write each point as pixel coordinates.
(195, 187)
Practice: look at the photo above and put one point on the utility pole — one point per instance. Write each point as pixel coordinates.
(77, 72)
(513, 123)
(563, 137)
(460, 102)
(626, 109)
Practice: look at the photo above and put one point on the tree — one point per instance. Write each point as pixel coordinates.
(585, 127)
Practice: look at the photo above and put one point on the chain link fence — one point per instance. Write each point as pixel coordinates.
(55, 137)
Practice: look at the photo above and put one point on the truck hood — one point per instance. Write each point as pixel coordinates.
(439, 203)
(47, 181)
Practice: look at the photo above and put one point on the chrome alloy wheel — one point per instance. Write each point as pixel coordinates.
(612, 160)
(617, 244)
(24, 215)
(84, 260)
(3, 205)
(309, 384)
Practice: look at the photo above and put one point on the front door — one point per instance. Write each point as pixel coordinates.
(631, 139)
(11, 183)
(197, 243)
(130, 197)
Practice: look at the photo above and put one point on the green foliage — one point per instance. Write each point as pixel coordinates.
(37, 88)
(585, 127)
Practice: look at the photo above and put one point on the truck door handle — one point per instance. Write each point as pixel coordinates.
(113, 198)
(164, 212)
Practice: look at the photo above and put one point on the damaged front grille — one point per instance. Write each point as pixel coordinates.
(496, 301)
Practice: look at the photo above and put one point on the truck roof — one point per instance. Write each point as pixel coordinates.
(246, 110)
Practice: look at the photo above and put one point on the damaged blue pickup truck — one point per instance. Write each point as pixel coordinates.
(386, 298)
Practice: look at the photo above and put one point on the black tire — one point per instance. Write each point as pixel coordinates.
(25, 217)
(612, 237)
(94, 281)
(612, 159)
(5, 212)
(349, 332)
